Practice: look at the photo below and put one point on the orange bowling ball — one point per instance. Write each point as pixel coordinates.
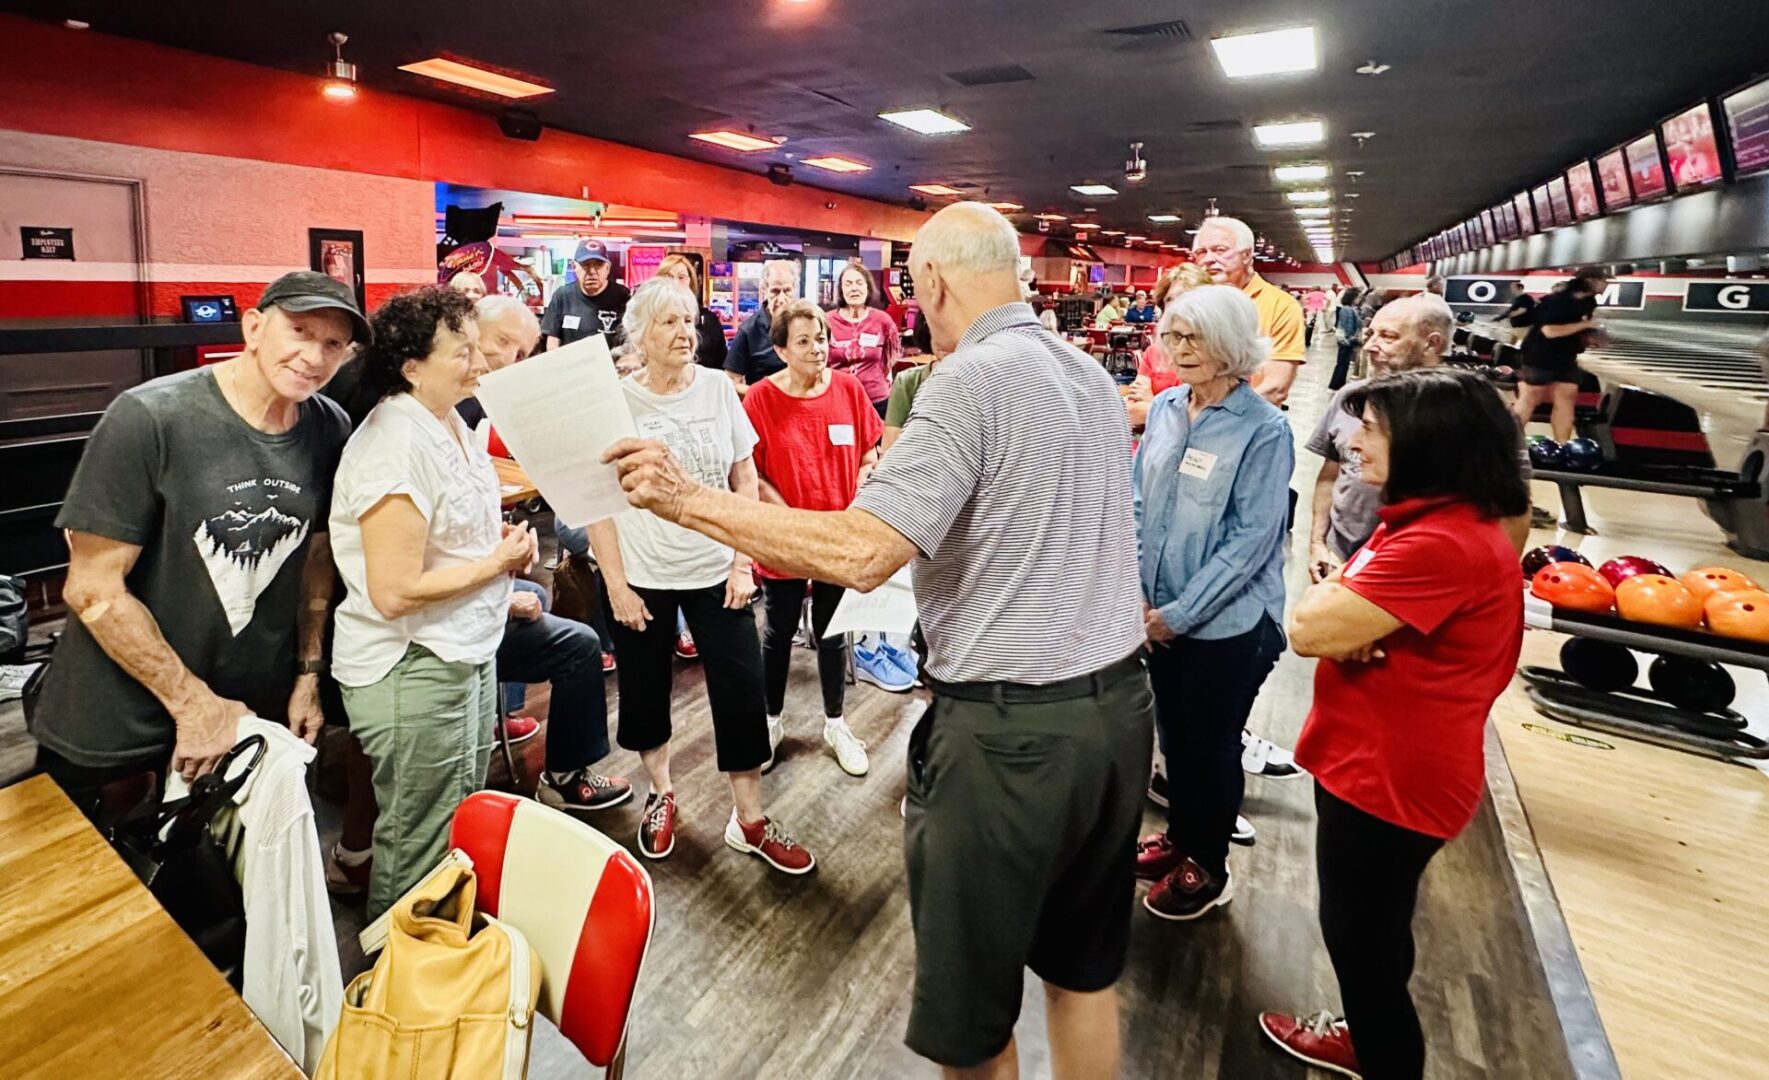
(1740, 614)
(1712, 579)
(1654, 598)
(1573, 585)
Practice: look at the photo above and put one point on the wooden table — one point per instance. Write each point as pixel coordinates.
(514, 485)
(96, 981)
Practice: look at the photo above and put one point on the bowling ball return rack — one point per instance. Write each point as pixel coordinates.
(1694, 483)
(1637, 713)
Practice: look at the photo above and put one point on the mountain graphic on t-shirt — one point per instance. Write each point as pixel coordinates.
(244, 551)
(247, 537)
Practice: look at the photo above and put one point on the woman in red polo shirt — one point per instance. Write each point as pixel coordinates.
(1418, 634)
(818, 436)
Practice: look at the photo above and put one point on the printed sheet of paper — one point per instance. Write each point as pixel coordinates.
(889, 608)
(556, 413)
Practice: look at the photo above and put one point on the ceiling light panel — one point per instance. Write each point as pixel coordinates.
(1313, 211)
(925, 121)
(734, 140)
(1273, 52)
(1290, 133)
(836, 164)
(935, 189)
(476, 78)
(1093, 189)
(1307, 196)
(1297, 174)
(1007, 207)
(1164, 219)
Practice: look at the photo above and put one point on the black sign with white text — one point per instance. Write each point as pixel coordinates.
(1494, 291)
(1630, 295)
(1727, 296)
(42, 242)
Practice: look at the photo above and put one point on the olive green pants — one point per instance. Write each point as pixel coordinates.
(427, 727)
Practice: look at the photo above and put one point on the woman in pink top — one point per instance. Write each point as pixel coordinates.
(863, 340)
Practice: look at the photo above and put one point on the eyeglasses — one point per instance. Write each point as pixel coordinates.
(1173, 339)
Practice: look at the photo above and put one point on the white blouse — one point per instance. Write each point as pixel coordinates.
(403, 449)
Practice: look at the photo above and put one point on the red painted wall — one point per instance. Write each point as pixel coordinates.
(93, 86)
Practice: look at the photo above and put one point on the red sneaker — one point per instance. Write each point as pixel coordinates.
(1188, 892)
(768, 840)
(1321, 1040)
(1156, 857)
(685, 647)
(520, 729)
(607, 663)
(657, 826)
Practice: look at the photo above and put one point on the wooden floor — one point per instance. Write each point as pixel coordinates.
(754, 974)
(1658, 857)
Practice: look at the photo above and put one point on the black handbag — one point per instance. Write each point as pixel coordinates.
(171, 850)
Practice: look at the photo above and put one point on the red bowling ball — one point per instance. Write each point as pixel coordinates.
(1573, 585)
(1658, 599)
(1616, 571)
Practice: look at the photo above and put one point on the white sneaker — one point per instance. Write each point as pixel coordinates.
(1261, 757)
(1243, 833)
(850, 752)
(776, 732)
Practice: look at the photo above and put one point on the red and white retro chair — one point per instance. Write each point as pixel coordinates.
(584, 903)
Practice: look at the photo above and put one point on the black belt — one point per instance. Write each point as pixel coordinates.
(1035, 693)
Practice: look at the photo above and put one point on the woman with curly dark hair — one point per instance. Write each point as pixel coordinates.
(427, 563)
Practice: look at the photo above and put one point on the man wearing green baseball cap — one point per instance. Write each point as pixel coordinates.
(200, 572)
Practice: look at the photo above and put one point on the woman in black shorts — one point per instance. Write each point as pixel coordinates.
(1549, 367)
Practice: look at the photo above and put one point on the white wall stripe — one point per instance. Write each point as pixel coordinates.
(74, 270)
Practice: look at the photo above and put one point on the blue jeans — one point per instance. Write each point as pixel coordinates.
(567, 654)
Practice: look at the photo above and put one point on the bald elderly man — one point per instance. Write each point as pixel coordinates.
(508, 332)
(1404, 335)
(1010, 489)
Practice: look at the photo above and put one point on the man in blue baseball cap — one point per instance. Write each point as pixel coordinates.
(594, 305)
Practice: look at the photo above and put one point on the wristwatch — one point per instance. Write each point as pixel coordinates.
(310, 667)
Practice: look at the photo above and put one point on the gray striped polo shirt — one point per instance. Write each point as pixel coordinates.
(1012, 479)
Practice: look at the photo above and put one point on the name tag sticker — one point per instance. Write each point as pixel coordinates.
(841, 434)
(1358, 562)
(1197, 464)
(570, 322)
(868, 340)
(651, 426)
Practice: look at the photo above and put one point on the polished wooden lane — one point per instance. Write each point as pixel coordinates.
(1657, 856)
(95, 979)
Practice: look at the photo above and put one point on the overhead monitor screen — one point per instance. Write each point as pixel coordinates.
(1612, 177)
(1646, 169)
(1557, 198)
(1526, 219)
(1583, 185)
(1747, 119)
(1544, 209)
(1690, 146)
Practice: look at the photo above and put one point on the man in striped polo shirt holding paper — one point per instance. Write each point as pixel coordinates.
(1010, 488)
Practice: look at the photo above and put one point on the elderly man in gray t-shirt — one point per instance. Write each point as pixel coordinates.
(1404, 335)
(1010, 487)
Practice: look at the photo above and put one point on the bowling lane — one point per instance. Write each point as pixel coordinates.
(1712, 369)
(1656, 856)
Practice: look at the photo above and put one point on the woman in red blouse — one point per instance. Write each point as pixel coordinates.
(864, 341)
(1417, 635)
(818, 438)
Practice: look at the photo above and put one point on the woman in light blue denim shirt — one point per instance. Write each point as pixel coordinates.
(1212, 495)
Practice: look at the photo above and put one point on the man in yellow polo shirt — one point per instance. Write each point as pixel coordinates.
(1224, 247)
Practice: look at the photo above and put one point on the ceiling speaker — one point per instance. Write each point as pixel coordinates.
(780, 174)
(519, 124)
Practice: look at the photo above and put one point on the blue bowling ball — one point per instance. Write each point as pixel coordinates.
(1582, 454)
(1545, 453)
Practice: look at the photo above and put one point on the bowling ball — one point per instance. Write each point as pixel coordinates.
(1545, 453)
(1616, 571)
(1582, 454)
(1712, 579)
(1688, 683)
(1536, 558)
(1656, 598)
(1573, 585)
(1743, 615)
(1600, 665)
